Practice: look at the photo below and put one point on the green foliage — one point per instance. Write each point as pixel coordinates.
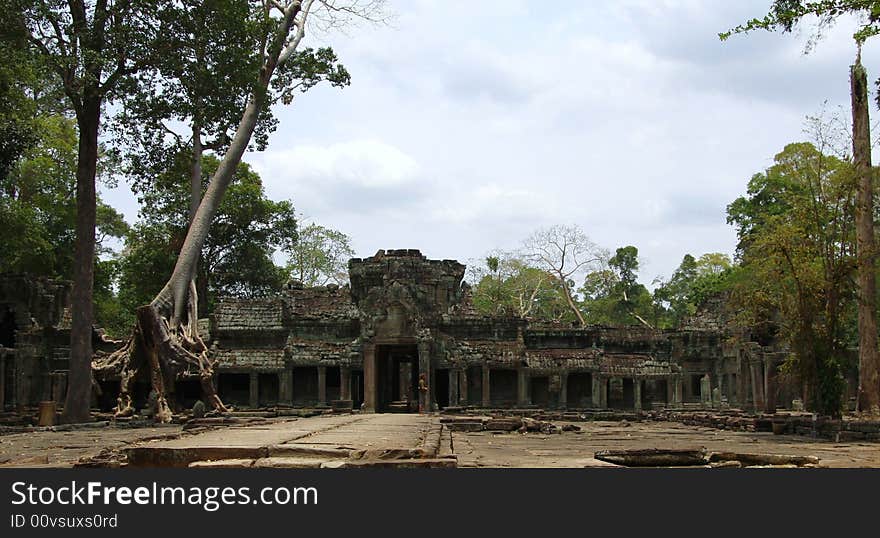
(614, 297)
(211, 53)
(509, 285)
(319, 256)
(37, 205)
(237, 257)
(797, 246)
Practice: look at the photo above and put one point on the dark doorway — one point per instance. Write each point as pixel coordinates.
(397, 368)
(580, 390)
(441, 388)
(474, 394)
(7, 327)
(334, 383)
(540, 391)
(268, 389)
(502, 387)
(235, 389)
(305, 385)
(189, 391)
(617, 393)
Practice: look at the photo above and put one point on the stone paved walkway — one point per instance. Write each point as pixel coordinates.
(327, 439)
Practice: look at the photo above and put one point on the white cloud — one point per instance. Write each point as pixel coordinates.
(469, 124)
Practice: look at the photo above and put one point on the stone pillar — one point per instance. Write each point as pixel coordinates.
(522, 387)
(770, 383)
(706, 390)
(322, 385)
(254, 400)
(345, 383)
(487, 396)
(285, 386)
(677, 391)
(463, 387)
(757, 380)
(603, 393)
(637, 394)
(453, 387)
(426, 402)
(597, 390)
(369, 351)
(563, 390)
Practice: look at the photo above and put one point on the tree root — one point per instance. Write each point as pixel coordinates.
(170, 353)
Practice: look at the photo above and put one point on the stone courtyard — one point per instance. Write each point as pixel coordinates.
(395, 440)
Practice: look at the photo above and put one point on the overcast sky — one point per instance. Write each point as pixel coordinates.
(469, 124)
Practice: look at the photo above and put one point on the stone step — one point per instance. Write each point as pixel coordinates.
(147, 456)
(308, 451)
(424, 463)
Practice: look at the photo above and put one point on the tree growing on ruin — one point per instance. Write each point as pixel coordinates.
(564, 252)
(237, 256)
(508, 284)
(166, 339)
(319, 256)
(786, 15)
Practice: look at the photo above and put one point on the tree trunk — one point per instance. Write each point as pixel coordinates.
(869, 376)
(166, 337)
(79, 381)
(570, 301)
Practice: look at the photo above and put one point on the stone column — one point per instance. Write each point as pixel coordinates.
(369, 351)
(596, 393)
(254, 400)
(463, 397)
(453, 387)
(757, 384)
(522, 387)
(563, 390)
(706, 390)
(285, 386)
(345, 383)
(487, 396)
(322, 385)
(770, 383)
(637, 394)
(603, 393)
(426, 402)
(677, 391)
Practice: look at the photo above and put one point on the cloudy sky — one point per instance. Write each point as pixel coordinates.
(470, 124)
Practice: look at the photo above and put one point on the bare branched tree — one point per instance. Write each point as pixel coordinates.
(565, 252)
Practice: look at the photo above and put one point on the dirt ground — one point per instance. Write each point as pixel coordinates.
(473, 449)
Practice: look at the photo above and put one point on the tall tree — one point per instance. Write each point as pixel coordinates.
(93, 47)
(786, 15)
(237, 257)
(796, 230)
(564, 251)
(166, 339)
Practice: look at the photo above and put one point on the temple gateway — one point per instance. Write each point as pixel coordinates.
(403, 337)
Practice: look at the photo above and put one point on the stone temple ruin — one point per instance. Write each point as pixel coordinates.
(403, 337)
